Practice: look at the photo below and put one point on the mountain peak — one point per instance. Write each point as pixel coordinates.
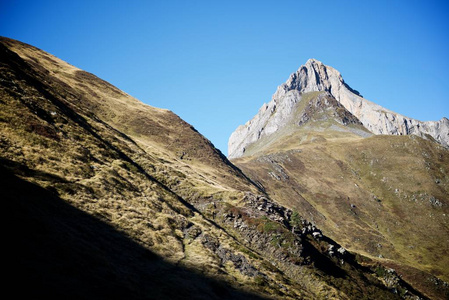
(314, 76)
(317, 67)
(313, 61)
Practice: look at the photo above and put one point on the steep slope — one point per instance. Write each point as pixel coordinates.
(314, 76)
(58, 251)
(381, 196)
(113, 198)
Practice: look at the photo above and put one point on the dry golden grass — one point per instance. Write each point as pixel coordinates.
(132, 166)
(383, 196)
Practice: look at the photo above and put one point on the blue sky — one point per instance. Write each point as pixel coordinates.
(214, 63)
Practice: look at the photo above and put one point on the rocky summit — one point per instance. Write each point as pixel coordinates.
(314, 76)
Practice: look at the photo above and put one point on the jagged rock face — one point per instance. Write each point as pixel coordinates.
(315, 76)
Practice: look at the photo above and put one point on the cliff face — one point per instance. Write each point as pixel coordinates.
(315, 76)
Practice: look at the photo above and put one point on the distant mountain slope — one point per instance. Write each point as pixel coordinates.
(113, 198)
(382, 196)
(314, 76)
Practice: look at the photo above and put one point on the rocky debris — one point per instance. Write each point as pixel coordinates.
(239, 261)
(210, 242)
(226, 255)
(271, 210)
(335, 250)
(314, 76)
(278, 213)
(309, 228)
(425, 197)
(341, 250)
(275, 161)
(280, 235)
(317, 234)
(264, 225)
(394, 282)
(286, 239)
(439, 282)
(192, 231)
(435, 202)
(391, 278)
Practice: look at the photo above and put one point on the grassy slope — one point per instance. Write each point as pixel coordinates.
(156, 131)
(398, 187)
(50, 138)
(58, 251)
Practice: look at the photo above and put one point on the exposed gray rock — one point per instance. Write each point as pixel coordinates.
(225, 255)
(192, 231)
(317, 234)
(435, 202)
(341, 250)
(315, 76)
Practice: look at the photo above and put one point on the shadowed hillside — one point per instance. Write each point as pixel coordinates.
(59, 251)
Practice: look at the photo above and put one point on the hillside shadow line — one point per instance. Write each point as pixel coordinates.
(56, 251)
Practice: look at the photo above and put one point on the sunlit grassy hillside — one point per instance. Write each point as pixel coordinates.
(385, 197)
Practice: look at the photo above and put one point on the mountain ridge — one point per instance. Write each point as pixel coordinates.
(314, 76)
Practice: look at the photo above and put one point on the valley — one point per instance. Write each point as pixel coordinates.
(111, 197)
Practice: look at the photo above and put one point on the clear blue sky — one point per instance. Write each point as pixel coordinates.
(214, 63)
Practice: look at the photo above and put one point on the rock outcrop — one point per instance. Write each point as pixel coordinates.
(314, 76)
